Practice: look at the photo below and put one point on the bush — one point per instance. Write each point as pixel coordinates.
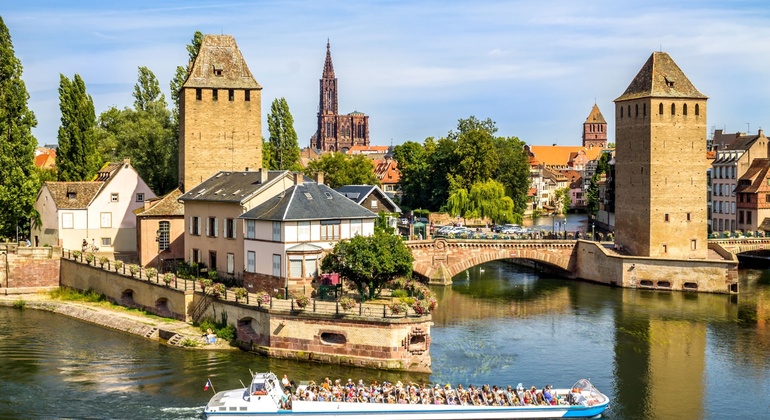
(398, 307)
(189, 342)
(420, 307)
(66, 293)
(222, 329)
(19, 304)
(399, 293)
(347, 303)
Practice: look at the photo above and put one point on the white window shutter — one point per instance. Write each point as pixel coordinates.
(208, 233)
(216, 227)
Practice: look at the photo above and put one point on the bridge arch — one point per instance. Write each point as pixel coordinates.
(441, 259)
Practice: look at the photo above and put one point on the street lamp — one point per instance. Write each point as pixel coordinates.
(593, 233)
(157, 239)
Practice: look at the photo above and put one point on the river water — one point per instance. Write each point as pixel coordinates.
(659, 355)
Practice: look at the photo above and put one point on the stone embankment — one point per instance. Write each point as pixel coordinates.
(167, 331)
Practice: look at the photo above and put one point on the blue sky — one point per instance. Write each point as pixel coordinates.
(415, 67)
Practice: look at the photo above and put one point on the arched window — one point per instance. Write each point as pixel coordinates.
(673, 109)
(644, 110)
(636, 107)
(660, 109)
(621, 112)
(697, 110)
(629, 111)
(684, 109)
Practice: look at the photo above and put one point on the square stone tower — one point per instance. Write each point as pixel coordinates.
(660, 135)
(220, 114)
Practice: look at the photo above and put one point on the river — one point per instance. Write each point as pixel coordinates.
(657, 354)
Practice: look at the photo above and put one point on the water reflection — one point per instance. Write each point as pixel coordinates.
(657, 354)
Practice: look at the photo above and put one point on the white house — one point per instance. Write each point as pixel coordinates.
(287, 236)
(99, 212)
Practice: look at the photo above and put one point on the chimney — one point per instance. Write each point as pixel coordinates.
(298, 178)
(246, 169)
(262, 175)
(319, 178)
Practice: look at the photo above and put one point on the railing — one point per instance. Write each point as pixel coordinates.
(290, 306)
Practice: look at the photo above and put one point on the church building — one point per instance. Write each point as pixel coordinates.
(337, 133)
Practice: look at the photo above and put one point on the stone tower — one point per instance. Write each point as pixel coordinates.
(220, 114)
(595, 129)
(336, 133)
(660, 134)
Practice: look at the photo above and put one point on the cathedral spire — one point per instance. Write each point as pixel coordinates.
(328, 67)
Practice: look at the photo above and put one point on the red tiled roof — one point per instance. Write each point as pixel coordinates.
(386, 170)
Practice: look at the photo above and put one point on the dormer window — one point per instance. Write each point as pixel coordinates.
(72, 195)
(670, 81)
(218, 70)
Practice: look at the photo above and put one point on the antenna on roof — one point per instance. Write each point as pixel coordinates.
(748, 127)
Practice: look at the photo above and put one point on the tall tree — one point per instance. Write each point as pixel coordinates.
(18, 180)
(592, 195)
(513, 170)
(181, 73)
(77, 158)
(340, 169)
(282, 150)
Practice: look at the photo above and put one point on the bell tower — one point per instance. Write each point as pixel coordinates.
(595, 129)
(660, 174)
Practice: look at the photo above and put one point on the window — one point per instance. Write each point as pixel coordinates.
(666, 218)
(644, 110)
(212, 260)
(71, 195)
(195, 225)
(303, 231)
(67, 221)
(374, 204)
(660, 108)
(196, 255)
(215, 94)
(748, 217)
(139, 197)
(198, 94)
(231, 94)
(276, 265)
(693, 244)
(229, 228)
(247, 95)
(767, 198)
(114, 197)
(740, 217)
(732, 207)
(636, 110)
(212, 230)
(277, 231)
(673, 109)
(697, 110)
(665, 249)
(106, 242)
(621, 112)
(250, 229)
(330, 230)
(356, 227)
(164, 231)
(230, 263)
(688, 217)
(106, 220)
(295, 266)
(251, 261)
(311, 266)
(684, 109)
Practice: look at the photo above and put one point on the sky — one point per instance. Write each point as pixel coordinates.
(415, 67)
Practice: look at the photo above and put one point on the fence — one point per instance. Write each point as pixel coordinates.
(240, 296)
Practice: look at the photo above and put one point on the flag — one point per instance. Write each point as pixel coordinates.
(208, 384)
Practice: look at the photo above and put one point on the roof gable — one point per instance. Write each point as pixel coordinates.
(308, 201)
(220, 64)
(168, 205)
(73, 195)
(595, 116)
(234, 187)
(660, 77)
(359, 194)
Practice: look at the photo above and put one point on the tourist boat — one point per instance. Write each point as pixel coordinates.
(263, 400)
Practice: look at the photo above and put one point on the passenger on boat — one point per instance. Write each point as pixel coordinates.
(286, 400)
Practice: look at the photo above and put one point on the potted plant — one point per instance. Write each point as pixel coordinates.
(218, 289)
(90, 258)
(150, 273)
(240, 293)
(263, 298)
(398, 307)
(76, 254)
(133, 269)
(347, 303)
(302, 301)
(118, 265)
(103, 260)
(420, 307)
(168, 278)
(206, 283)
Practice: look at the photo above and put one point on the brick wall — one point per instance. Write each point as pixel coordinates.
(27, 267)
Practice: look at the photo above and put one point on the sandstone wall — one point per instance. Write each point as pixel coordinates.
(27, 268)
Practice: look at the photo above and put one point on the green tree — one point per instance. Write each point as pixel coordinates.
(476, 153)
(513, 170)
(562, 200)
(18, 180)
(181, 73)
(77, 158)
(592, 194)
(413, 167)
(144, 134)
(370, 262)
(282, 150)
(340, 169)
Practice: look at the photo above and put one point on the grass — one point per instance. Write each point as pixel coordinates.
(19, 304)
(100, 300)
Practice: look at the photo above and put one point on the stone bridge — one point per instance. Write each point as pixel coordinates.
(441, 259)
(739, 245)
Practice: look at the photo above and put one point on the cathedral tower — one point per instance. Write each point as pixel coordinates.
(336, 133)
(220, 114)
(595, 129)
(660, 134)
